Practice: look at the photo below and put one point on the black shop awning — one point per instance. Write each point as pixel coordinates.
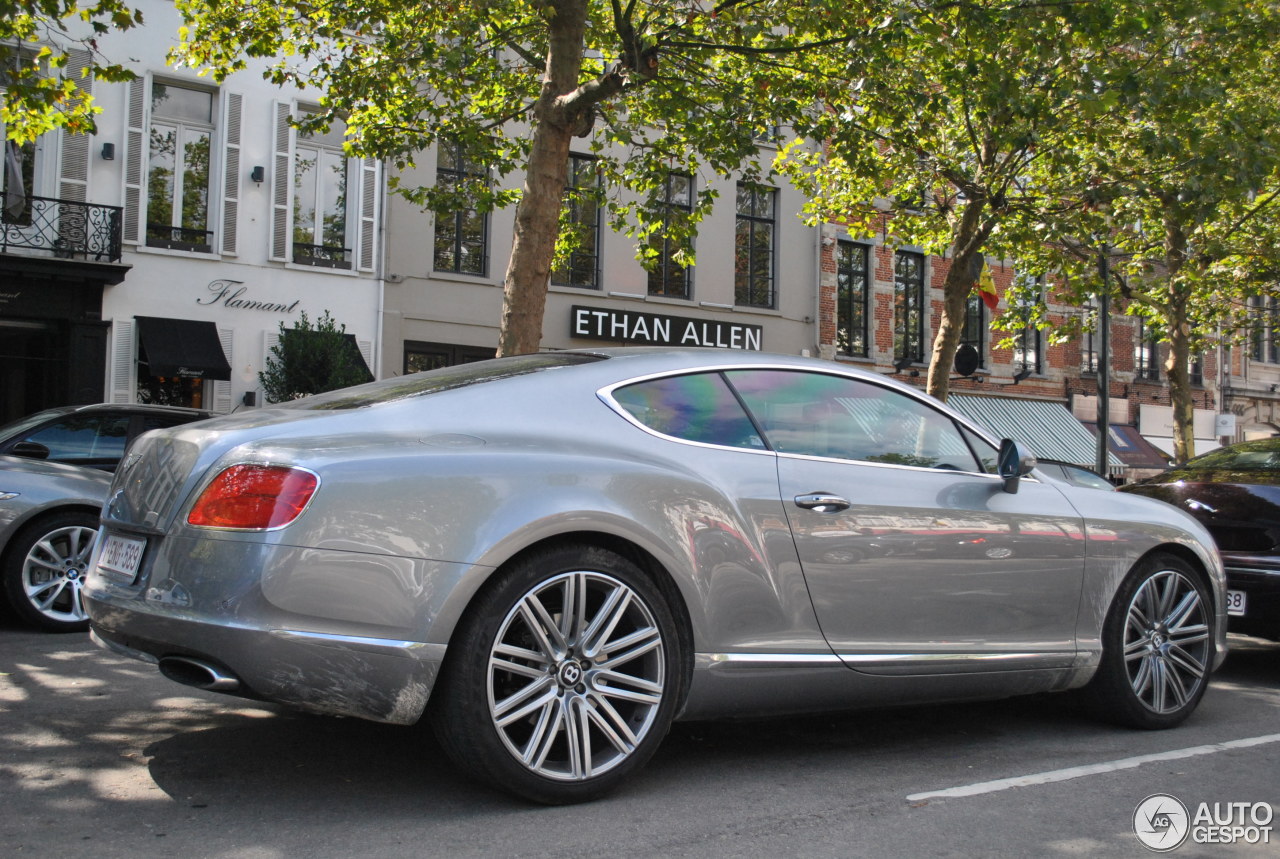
(182, 347)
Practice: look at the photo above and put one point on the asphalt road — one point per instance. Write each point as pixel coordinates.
(102, 757)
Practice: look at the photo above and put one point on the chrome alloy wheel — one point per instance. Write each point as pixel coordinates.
(54, 570)
(1166, 642)
(576, 676)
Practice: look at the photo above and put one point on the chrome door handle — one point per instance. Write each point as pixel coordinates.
(822, 502)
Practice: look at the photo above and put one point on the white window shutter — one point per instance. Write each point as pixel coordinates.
(135, 160)
(368, 221)
(366, 352)
(73, 162)
(281, 182)
(232, 104)
(221, 389)
(124, 363)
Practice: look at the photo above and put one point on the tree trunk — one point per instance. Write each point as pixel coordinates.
(1176, 369)
(970, 234)
(1175, 253)
(537, 222)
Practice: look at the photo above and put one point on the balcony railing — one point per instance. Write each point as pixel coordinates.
(63, 229)
(179, 238)
(328, 256)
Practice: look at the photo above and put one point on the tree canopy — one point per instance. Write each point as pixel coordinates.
(1182, 179)
(655, 86)
(960, 126)
(40, 74)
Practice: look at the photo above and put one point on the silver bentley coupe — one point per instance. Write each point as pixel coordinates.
(551, 557)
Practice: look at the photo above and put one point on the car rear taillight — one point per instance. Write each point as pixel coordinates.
(254, 497)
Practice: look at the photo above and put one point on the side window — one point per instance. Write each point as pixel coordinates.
(82, 438)
(819, 415)
(697, 407)
(988, 456)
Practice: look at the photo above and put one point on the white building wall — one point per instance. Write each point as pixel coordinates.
(243, 293)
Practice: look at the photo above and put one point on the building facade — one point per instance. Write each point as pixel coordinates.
(753, 285)
(156, 259)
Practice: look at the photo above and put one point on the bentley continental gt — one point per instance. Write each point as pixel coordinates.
(551, 557)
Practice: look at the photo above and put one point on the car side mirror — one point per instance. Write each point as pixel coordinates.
(1014, 464)
(30, 449)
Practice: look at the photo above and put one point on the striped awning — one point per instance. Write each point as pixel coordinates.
(1048, 429)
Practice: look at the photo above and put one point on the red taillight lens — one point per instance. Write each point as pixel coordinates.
(254, 497)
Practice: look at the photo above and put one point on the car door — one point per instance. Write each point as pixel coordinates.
(916, 558)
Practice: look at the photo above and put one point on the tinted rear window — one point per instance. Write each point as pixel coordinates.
(697, 407)
(443, 379)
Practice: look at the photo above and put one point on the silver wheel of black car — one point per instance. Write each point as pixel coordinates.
(1157, 646)
(45, 568)
(576, 677)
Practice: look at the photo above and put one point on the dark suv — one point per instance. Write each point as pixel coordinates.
(93, 436)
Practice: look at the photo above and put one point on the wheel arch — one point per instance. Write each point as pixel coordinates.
(33, 517)
(648, 563)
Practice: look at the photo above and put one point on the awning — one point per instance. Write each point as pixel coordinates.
(1048, 429)
(182, 347)
(1128, 444)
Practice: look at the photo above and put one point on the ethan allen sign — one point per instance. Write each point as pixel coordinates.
(655, 329)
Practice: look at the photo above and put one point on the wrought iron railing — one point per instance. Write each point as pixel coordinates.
(63, 229)
(328, 256)
(179, 238)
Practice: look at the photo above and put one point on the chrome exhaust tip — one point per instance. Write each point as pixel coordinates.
(197, 673)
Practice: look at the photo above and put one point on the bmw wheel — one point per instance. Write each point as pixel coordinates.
(44, 569)
(1157, 647)
(563, 679)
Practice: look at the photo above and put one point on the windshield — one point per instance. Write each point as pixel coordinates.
(442, 379)
(21, 425)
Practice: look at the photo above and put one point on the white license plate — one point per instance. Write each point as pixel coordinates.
(120, 556)
(1235, 603)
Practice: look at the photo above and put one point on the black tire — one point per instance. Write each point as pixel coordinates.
(1157, 647)
(560, 709)
(44, 568)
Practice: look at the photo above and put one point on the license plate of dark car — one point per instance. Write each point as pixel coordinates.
(1235, 603)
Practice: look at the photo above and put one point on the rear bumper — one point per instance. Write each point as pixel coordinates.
(377, 679)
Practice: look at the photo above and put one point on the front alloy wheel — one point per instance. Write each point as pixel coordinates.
(563, 678)
(1157, 647)
(1166, 642)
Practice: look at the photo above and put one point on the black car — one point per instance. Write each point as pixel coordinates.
(93, 436)
(1235, 492)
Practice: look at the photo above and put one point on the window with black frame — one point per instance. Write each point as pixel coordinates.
(1028, 343)
(755, 242)
(975, 327)
(1090, 338)
(668, 277)
(908, 306)
(581, 218)
(462, 236)
(853, 292)
(1146, 352)
(1264, 345)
